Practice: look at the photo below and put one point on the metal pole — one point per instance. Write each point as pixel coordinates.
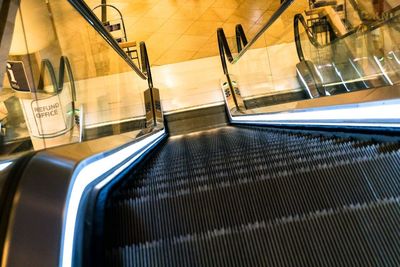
(103, 11)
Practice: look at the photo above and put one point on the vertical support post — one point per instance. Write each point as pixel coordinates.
(153, 108)
(151, 95)
(233, 93)
(103, 11)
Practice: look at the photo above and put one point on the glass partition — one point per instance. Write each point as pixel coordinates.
(364, 58)
(266, 73)
(317, 49)
(64, 82)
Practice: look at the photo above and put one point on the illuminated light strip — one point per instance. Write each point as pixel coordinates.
(113, 123)
(215, 104)
(395, 57)
(4, 165)
(340, 76)
(358, 72)
(319, 74)
(383, 70)
(304, 83)
(365, 78)
(351, 116)
(88, 174)
(306, 123)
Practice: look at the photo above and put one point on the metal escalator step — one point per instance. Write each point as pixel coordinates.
(207, 207)
(257, 151)
(259, 197)
(362, 235)
(221, 147)
(213, 178)
(160, 175)
(179, 161)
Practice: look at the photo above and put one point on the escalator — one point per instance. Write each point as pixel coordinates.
(364, 57)
(311, 182)
(237, 196)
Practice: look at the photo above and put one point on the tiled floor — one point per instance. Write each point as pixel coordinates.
(181, 30)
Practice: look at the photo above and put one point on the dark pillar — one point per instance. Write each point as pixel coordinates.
(103, 11)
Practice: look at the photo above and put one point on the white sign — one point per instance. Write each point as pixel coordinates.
(51, 116)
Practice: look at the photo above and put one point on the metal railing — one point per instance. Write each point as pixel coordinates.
(90, 17)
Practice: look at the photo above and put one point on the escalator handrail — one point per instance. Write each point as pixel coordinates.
(46, 65)
(282, 8)
(241, 39)
(65, 64)
(145, 64)
(74, 184)
(90, 17)
(299, 18)
(58, 85)
(224, 48)
(313, 40)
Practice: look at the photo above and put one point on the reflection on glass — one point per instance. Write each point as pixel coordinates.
(343, 46)
(365, 58)
(61, 74)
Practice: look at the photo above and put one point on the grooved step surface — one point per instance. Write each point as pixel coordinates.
(365, 235)
(259, 197)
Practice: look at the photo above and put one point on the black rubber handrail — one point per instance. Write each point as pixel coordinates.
(58, 84)
(11, 177)
(224, 50)
(65, 64)
(90, 17)
(145, 63)
(241, 41)
(299, 18)
(282, 8)
(243, 45)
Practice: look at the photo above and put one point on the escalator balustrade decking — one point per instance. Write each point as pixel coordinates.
(259, 197)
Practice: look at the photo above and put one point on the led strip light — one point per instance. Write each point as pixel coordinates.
(88, 174)
(382, 114)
